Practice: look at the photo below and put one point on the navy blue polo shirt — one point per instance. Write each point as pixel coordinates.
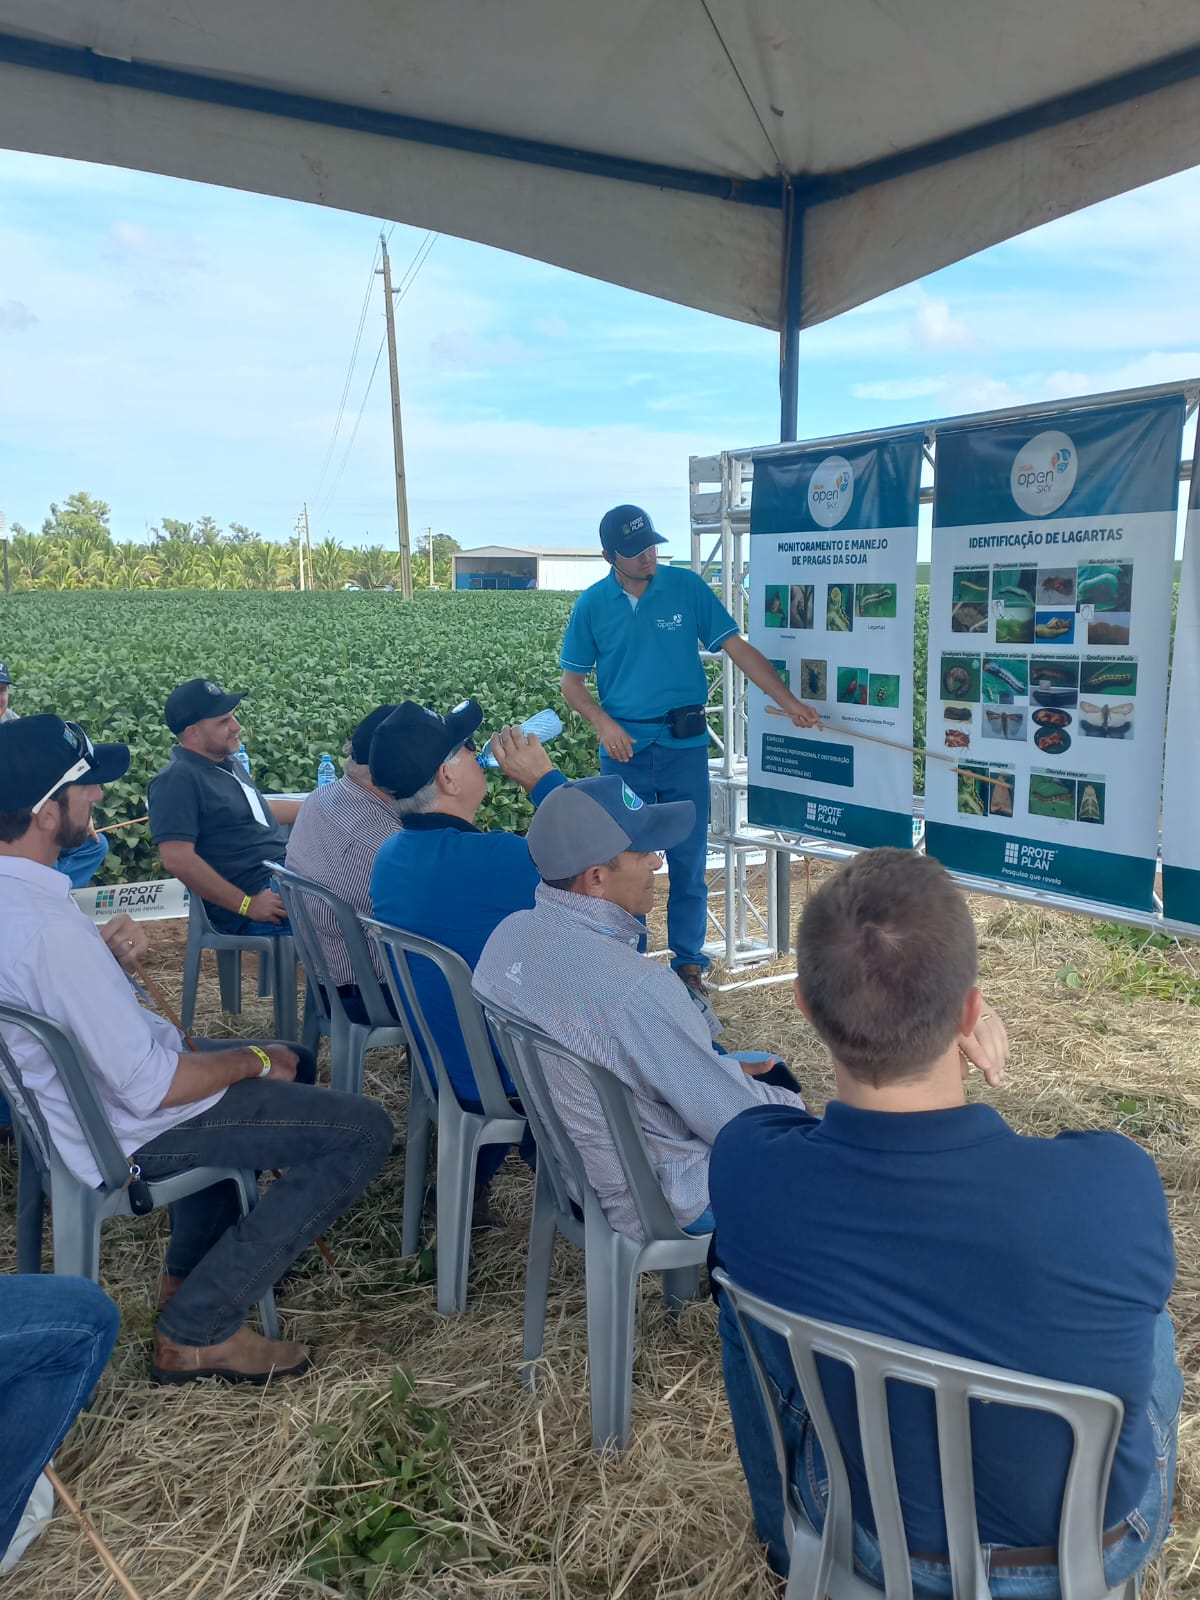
(443, 879)
(948, 1229)
(647, 657)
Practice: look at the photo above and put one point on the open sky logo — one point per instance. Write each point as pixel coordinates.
(633, 802)
(1043, 472)
(831, 491)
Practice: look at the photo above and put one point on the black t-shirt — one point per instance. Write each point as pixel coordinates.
(214, 806)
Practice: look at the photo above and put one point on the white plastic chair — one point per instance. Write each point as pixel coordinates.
(461, 1133)
(78, 1212)
(613, 1261)
(823, 1564)
(276, 968)
(324, 1009)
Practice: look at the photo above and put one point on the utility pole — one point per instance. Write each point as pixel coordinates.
(308, 545)
(300, 551)
(4, 542)
(429, 538)
(406, 586)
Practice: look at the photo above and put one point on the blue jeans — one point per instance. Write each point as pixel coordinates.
(329, 1145)
(82, 865)
(1146, 1526)
(56, 1335)
(661, 773)
(704, 1223)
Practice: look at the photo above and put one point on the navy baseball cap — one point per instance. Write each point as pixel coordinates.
(627, 531)
(37, 754)
(360, 739)
(584, 824)
(197, 700)
(411, 744)
(4, 674)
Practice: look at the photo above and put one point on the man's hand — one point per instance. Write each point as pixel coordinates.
(802, 715)
(283, 1063)
(266, 906)
(986, 1050)
(615, 740)
(126, 940)
(520, 756)
(758, 1069)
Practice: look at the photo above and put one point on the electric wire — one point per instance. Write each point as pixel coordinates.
(362, 321)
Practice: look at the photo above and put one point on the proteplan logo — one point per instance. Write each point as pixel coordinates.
(831, 491)
(1031, 857)
(1043, 473)
(105, 899)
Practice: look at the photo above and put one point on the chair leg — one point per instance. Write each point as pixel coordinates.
(191, 981)
(416, 1161)
(76, 1224)
(310, 1028)
(229, 976)
(31, 1210)
(268, 1316)
(341, 1066)
(542, 1233)
(455, 1186)
(680, 1284)
(611, 1302)
(283, 984)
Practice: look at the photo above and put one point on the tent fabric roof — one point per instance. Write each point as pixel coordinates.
(571, 552)
(665, 145)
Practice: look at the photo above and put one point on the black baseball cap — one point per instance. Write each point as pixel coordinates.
(360, 739)
(411, 744)
(4, 674)
(196, 700)
(627, 531)
(37, 753)
(581, 825)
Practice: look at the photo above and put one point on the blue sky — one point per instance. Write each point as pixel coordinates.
(179, 350)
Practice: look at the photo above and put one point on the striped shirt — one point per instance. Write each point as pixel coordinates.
(571, 967)
(334, 841)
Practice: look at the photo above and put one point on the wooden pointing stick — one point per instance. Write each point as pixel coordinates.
(894, 744)
(90, 1533)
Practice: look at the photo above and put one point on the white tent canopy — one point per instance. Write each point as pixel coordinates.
(775, 161)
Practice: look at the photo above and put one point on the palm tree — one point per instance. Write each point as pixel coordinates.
(330, 565)
(32, 557)
(374, 567)
(259, 564)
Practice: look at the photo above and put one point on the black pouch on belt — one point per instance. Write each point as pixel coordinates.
(685, 722)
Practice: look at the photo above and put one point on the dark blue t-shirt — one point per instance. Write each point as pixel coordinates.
(949, 1230)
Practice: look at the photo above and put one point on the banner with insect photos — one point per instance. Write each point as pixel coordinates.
(1181, 776)
(1049, 622)
(833, 551)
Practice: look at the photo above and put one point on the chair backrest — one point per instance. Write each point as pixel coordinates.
(69, 1063)
(308, 905)
(1093, 1417)
(395, 948)
(529, 1055)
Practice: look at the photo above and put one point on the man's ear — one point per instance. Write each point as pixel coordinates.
(801, 1003)
(971, 1011)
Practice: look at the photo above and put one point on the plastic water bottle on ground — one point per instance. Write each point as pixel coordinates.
(546, 725)
(243, 760)
(326, 772)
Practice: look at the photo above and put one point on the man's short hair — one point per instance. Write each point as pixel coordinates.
(886, 954)
(14, 825)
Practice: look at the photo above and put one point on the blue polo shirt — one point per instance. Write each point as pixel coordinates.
(647, 657)
(950, 1230)
(443, 879)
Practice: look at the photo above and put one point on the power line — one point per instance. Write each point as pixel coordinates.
(354, 431)
(362, 319)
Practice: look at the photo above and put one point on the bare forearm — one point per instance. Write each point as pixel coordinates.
(284, 811)
(580, 698)
(200, 1074)
(195, 873)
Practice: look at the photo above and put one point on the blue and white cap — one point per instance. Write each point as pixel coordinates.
(584, 824)
(5, 676)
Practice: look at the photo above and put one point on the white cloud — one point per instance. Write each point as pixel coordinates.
(936, 327)
(899, 389)
(15, 317)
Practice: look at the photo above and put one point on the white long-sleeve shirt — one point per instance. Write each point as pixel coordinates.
(53, 961)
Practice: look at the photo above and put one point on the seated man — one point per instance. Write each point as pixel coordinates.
(917, 1216)
(334, 841)
(213, 828)
(571, 966)
(440, 877)
(234, 1105)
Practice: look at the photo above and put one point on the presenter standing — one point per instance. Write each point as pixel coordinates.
(641, 630)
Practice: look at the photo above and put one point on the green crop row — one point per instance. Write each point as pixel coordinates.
(313, 664)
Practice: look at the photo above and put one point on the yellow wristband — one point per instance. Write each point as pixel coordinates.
(262, 1056)
(244, 907)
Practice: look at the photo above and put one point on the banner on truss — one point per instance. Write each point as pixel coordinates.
(1049, 626)
(833, 552)
(1181, 777)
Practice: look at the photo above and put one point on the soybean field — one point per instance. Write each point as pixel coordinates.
(314, 664)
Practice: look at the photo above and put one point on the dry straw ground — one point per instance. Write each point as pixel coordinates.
(208, 1493)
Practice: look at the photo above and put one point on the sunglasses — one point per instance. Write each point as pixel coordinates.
(85, 750)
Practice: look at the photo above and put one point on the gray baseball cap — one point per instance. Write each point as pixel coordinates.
(581, 825)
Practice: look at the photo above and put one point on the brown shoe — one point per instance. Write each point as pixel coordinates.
(246, 1357)
(483, 1213)
(693, 976)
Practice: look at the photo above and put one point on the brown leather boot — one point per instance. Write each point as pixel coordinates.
(245, 1357)
(693, 975)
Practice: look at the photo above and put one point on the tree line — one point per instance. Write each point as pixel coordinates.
(76, 550)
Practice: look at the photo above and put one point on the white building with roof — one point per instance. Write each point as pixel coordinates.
(500, 566)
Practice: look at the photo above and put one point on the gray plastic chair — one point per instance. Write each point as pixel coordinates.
(823, 1565)
(324, 1009)
(276, 968)
(461, 1133)
(613, 1261)
(78, 1211)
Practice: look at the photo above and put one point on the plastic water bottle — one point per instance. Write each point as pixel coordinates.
(546, 725)
(240, 756)
(326, 772)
